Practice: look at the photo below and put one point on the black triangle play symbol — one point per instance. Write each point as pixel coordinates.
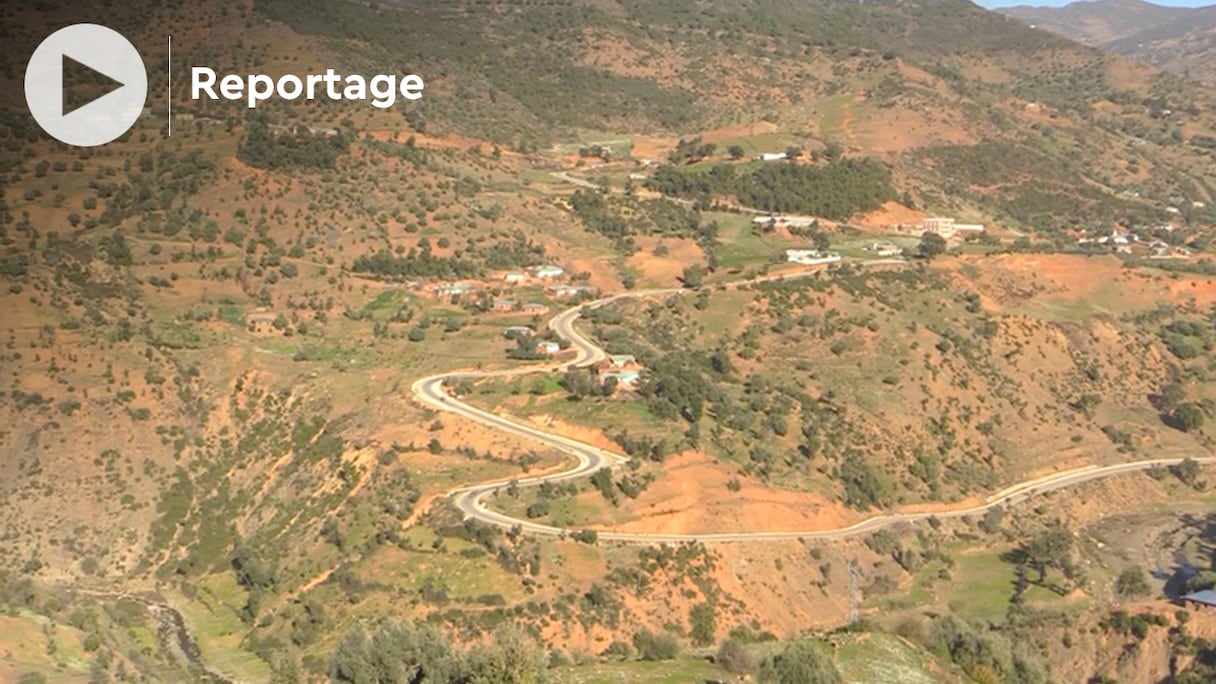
(82, 84)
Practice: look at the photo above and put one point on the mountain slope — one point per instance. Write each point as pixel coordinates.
(209, 339)
(1098, 21)
(1186, 45)
(1179, 39)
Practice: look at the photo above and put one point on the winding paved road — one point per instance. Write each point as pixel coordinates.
(471, 499)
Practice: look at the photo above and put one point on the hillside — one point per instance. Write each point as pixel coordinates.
(1177, 39)
(212, 463)
(1100, 21)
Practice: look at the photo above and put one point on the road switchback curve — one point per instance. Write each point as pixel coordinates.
(471, 499)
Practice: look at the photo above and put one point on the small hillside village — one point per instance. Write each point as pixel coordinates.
(540, 289)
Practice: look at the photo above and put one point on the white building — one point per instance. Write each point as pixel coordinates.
(772, 156)
(786, 221)
(947, 228)
(883, 249)
(548, 271)
(563, 291)
(810, 257)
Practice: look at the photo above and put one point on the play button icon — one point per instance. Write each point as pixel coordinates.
(85, 85)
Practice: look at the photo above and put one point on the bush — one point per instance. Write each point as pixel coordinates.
(806, 661)
(703, 619)
(734, 657)
(586, 536)
(538, 509)
(656, 646)
(1132, 582)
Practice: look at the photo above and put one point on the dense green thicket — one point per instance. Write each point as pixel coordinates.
(405, 652)
(985, 654)
(837, 190)
(622, 218)
(263, 148)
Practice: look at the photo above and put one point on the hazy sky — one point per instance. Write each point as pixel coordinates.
(1061, 3)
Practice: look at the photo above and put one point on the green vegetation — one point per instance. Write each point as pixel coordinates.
(402, 652)
(805, 661)
(836, 191)
(985, 654)
(298, 149)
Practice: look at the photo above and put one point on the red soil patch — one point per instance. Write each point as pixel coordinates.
(891, 213)
(665, 270)
(694, 498)
(450, 141)
(1065, 276)
(648, 147)
(603, 273)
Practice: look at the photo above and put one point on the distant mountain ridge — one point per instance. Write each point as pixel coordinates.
(1180, 39)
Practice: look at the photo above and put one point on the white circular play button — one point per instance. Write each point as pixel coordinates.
(106, 89)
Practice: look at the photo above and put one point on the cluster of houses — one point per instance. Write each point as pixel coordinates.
(517, 332)
(454, 289)
(535, 274)
(542, 273)
(1125, 242)
(623, 368)
(508, 304)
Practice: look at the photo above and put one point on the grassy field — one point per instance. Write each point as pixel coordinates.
(885, 658)
(213, 620)
(32, 643)
(754, 145)
(669, 672)
(742, 247)
(983, 585)
(463, 572)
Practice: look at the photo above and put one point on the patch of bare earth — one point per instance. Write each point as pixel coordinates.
(693, 496)
(665, 270)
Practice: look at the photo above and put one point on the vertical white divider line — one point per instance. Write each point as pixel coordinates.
(169, 86)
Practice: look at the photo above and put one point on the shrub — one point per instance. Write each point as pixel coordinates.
(656, 646)
(734, 657)
(1132, 582)
(806, 661)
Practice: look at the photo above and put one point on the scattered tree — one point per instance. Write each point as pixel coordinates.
(1189, 417)
(931, 245)
(1132, 582)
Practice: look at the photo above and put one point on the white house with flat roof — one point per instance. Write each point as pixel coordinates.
(548, 271)
(947, 228)
(810, 257)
